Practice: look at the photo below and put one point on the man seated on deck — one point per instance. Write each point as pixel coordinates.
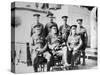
(74, 44)
(53, 42)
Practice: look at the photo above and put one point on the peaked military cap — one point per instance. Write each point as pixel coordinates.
(79, 20)
(37, 15)
(50, 15)
(74, 26)
(64, 17)
(54, 25)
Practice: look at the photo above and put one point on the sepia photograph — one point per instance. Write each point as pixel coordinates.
(47, 37)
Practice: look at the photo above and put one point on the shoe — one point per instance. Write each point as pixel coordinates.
(84, 64)
(66, 64)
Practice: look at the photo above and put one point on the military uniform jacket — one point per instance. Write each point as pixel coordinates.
(83, 35)
(73, 41)
(47, 27)
(64, 32)
(38, 24)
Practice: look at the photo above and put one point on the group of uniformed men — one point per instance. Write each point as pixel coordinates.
(67, 41)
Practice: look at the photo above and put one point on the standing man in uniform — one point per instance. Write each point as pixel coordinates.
(64, 30)
(83, 33)
(47, 26)
(37, 23)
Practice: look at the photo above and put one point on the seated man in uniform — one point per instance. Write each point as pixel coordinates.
(74, 43)
(53, 42)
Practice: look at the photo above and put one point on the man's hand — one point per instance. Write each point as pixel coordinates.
(69, 49)
(53, 52)
(52, 46)
(63, 43)
(75, 49)
(38, 49)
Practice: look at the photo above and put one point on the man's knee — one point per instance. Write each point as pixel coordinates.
(83, 52)
(47, 55)
(33, 56)
(64, 49)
